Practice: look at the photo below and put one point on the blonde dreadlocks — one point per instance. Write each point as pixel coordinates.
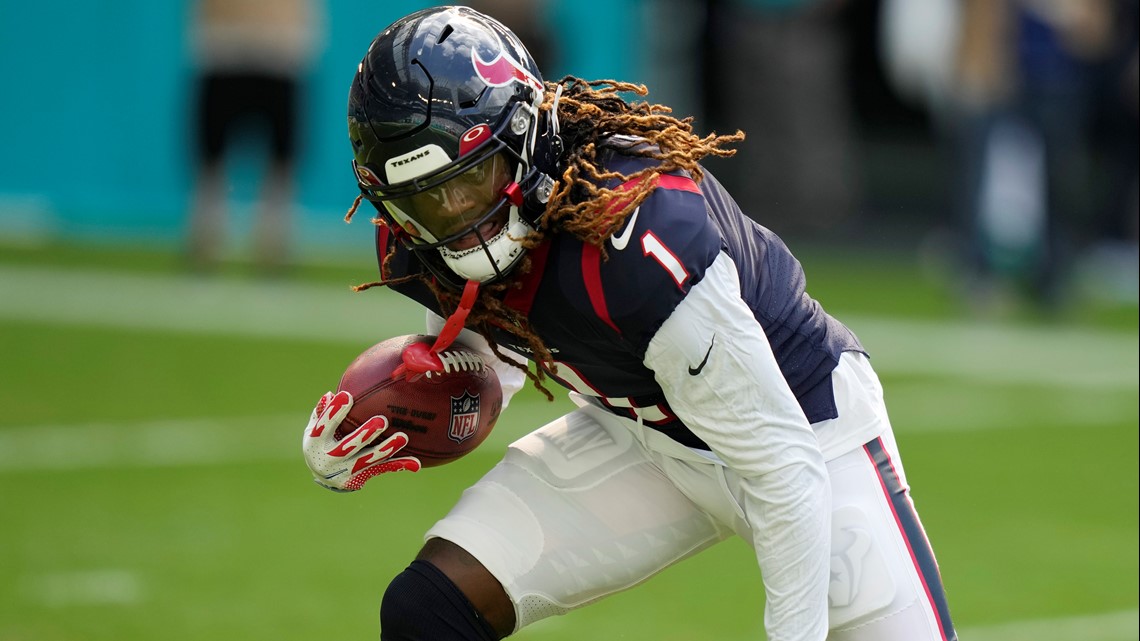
(590, 113)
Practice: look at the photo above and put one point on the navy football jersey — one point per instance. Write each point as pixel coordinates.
(597, 314)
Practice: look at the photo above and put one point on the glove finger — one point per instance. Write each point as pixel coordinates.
(320, 407)
(402, 464)
(392, 445)
(376, 426)
(334, 412)
(360, 438)
(381, 452)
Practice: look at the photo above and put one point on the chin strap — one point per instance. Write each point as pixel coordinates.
(420, 359)
(554, 125)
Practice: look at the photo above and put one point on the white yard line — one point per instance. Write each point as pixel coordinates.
(106, 587)
(1108, 626)
(166, 443)
(1060, 357)
(274, 309)
(149, 444)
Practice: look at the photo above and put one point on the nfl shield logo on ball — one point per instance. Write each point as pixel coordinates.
(464, 417)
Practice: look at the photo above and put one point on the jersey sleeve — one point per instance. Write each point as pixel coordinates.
(718, 372)
(650, 265)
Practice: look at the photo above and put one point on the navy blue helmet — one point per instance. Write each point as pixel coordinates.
(444, 120)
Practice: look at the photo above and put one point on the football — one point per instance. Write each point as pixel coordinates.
(446, 411)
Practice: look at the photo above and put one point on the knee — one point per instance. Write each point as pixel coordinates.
(422, 604)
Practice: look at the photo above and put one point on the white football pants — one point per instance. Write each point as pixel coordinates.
(592, 504)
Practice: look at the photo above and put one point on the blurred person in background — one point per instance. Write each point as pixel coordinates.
(1110, 267)
(775, 68)
(251, 58)
(1021, 108)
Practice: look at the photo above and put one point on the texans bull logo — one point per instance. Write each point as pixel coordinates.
(503, 70)
(464, 417)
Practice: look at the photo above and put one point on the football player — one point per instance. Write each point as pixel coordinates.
(715, 397)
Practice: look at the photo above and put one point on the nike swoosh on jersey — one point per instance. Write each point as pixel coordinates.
(693, 371)
(621, 240)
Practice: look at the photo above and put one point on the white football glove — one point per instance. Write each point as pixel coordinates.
(345, 465)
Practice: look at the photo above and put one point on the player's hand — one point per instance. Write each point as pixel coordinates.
(345, 465)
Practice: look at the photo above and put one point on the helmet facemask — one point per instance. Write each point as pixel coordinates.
(468, 211)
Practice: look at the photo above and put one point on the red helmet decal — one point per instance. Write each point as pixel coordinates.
(503, 70)
(367, 176)
(473, 137)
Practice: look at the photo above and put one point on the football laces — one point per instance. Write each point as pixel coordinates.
(460, 361)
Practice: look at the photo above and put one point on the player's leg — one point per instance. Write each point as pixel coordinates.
(429, 600)
(575, 511)
(885, 582)
(213, 118)
(278, 105)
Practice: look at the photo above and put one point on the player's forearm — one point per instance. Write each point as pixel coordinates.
(789, 511)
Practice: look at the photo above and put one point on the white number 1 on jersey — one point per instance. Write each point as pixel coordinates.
(651, 245)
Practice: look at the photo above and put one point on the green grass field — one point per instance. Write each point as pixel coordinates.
(151, 484)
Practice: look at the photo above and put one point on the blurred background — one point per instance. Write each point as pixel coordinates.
(959, 178)
(997, 137)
